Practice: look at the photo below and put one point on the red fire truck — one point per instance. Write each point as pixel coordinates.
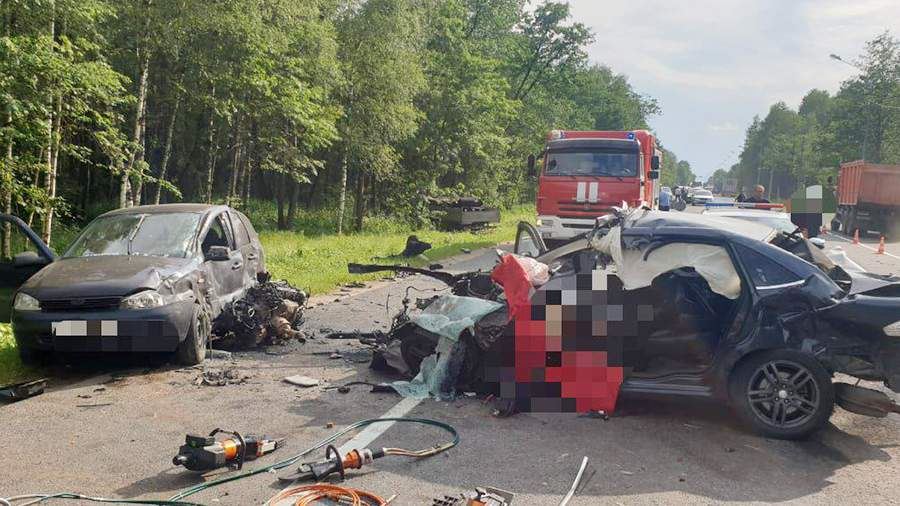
(583, 174)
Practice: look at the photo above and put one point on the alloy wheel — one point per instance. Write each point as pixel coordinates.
(783, 394)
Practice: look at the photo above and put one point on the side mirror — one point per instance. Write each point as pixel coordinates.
(654, 164)
(654, 174)
(218, 254)
(531, 171)
(29, 259)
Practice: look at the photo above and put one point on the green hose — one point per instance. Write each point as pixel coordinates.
(293, 460)
(175, 500)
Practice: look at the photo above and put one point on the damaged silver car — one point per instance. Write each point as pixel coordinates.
(141, 279)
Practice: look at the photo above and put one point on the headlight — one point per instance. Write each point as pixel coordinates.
(893, 329)
(25, 302)
(142, 300)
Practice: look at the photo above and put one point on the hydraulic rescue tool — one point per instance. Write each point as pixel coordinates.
(205, 453)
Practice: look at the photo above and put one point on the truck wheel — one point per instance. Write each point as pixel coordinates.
(192, 350)
(782, 394)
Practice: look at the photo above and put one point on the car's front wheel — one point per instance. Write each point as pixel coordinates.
(192, 350)
(782, 394)
(32, 357)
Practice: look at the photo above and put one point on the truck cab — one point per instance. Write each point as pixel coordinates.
(584, 174)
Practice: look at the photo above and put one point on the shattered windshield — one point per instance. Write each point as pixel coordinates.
(608, 163)
(163, 234)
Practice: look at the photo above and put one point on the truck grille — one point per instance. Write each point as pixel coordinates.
(86, 304)
(580, 208)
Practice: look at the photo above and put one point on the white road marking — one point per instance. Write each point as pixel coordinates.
(372, 432)
(861, 244)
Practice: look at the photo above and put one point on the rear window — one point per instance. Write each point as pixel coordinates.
(763, 271)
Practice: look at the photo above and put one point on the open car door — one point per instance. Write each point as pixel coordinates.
(528, 241)
(22, 254)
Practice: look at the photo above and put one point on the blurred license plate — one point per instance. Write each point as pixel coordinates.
(83, 328)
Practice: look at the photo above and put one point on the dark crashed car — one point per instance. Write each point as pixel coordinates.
(657, 303)
(757, 317)
(140, 279)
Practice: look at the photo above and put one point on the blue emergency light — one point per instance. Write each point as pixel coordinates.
(631, 136)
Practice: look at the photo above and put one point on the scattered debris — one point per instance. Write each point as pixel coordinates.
(269, 312)
(482, 496)
(329, 425)
(84, 396)
(355, 284)
(100, 405)
(100, 389)
(465, 250)
(415, 247)
(218, 354)
(335, 356)
(578, 476)
(302, 381)
(24, 390)
(221, 377)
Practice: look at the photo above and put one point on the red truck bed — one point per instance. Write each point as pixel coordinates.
(869, 183)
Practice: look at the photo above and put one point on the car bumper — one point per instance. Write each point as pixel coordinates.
(124, 330)
(554, 227)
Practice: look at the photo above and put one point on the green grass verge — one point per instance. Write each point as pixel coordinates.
(11, 369)
(319, 263)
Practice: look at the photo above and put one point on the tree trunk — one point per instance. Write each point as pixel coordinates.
(292, 204)
(211, 155)
(235, 162)
(279, 198)
(360, 203)
(167, 150)
(342, 200)
(126, 198)
(7, 176)
(50, 179)
(312, 189)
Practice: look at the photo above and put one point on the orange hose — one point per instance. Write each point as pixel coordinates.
(309, 494)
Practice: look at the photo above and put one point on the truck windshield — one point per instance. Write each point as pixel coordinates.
(592, 163)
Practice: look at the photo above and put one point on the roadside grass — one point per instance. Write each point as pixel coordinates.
(318, 264)
(313, 258)
(11, 368)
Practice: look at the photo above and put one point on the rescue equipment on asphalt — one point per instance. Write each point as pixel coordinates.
(205, 453)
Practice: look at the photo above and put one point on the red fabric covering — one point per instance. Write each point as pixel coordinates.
(510, 274)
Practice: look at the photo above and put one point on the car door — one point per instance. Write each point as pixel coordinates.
(528, 241)
(227, 273)
(22, 254)
(249, 249)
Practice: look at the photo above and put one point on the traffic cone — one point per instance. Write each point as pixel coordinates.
(880, 247)
(856, 236)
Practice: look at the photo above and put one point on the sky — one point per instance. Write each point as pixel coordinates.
(714, 64)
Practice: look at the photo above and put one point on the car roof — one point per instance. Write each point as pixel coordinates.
(726, 212)
(168, 208)
(706, 225)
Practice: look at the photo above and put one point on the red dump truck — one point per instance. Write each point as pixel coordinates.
(868, 198)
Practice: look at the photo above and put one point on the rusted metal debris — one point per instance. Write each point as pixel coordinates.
(269, 313)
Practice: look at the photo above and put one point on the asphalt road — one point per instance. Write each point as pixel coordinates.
(112, 430)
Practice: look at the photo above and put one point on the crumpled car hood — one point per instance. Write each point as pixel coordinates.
(865, 282)
(102, 276)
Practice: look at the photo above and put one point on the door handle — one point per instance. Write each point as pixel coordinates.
(237, 265)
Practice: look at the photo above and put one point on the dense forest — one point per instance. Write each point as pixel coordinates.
(347, 106)
(793, 148)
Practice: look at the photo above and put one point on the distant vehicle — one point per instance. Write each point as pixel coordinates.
(700, 196)
(146, 278)
(868, 198)
(583, 174)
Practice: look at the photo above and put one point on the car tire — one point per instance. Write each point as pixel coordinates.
(797, 403)
(192, 350)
